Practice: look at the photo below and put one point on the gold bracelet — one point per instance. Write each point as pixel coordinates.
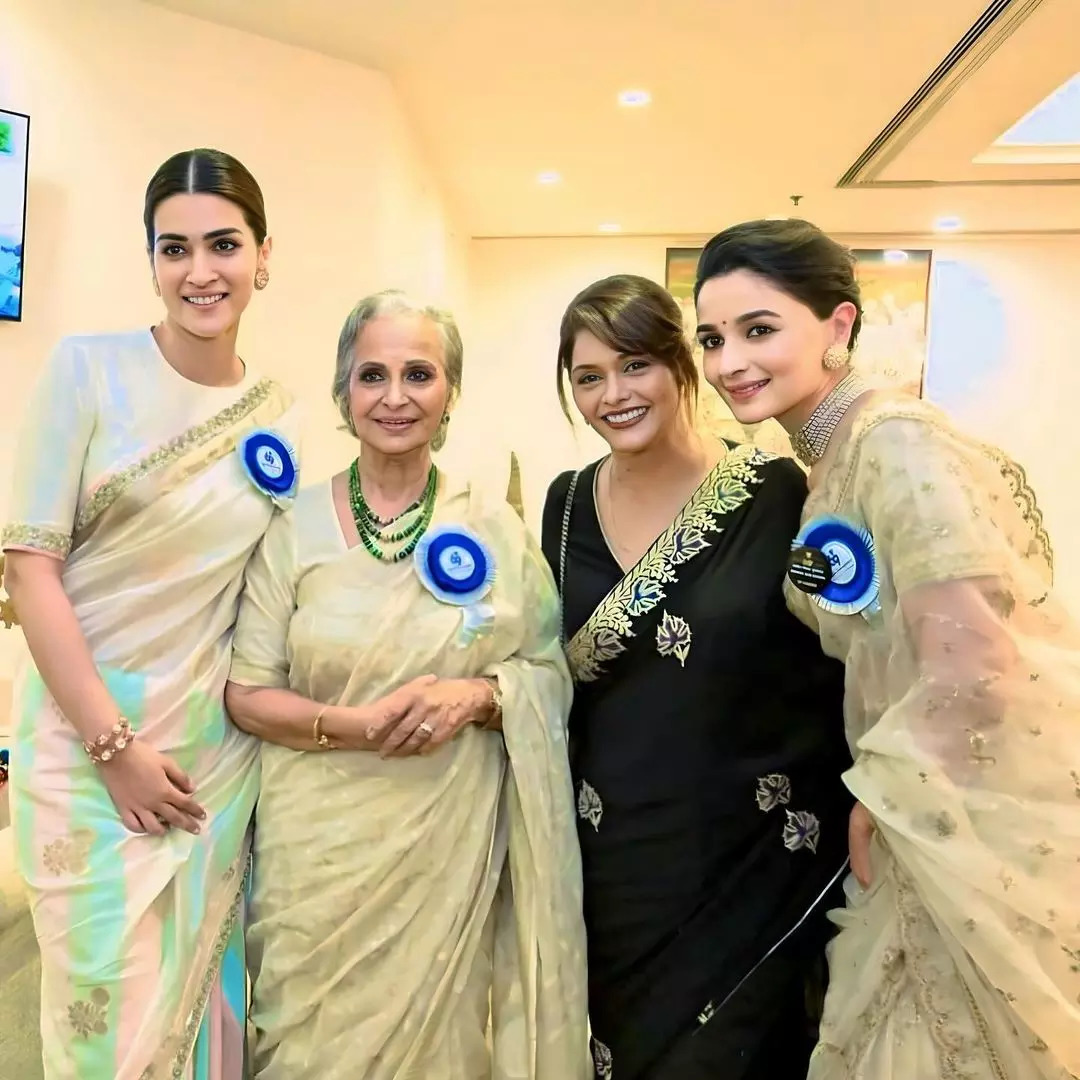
(105, 747)
(496, 704)
(316, 731)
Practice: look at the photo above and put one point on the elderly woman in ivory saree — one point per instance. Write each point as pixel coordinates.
(923, 564)
(134, 514)
(417, 893)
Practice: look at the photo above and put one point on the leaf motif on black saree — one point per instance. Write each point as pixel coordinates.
(589, 806)
(673, 637)
(603, 636)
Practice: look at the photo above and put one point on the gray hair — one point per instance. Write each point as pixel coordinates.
(395, 302)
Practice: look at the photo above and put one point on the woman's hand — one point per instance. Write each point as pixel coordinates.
(860, 833)
(150, 791)
(425, 713)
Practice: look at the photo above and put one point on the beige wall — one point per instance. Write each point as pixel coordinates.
(116, 86)
(1002, 354)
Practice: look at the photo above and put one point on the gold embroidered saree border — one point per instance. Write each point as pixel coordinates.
(1014, 474)
(641, 589)
(171, 451)
(50, 541)
(181, 1046)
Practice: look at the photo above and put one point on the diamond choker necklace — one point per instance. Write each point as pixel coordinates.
(810, 441)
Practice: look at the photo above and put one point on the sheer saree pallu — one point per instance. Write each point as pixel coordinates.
(963, 958)
(141, 936)
(397, 903)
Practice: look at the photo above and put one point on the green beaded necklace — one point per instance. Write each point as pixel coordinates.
(373, 530)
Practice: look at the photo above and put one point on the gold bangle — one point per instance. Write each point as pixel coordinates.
(321, 740)
(496, 703)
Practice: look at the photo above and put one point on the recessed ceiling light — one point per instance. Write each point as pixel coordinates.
(949, 223)
(634, 99)
(610, 226)
(895, 255)
(548, 178)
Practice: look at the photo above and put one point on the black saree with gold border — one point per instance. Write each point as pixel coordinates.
(707, 746)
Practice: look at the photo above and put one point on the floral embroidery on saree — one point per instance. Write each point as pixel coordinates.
(172, 451)
(601, 638)
(673, 637)
(601, 1059)
(90, 1017)
(772, 791)
(68, 854)
(589, 806)
(802, 831)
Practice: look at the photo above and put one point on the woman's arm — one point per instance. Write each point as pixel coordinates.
(952, 540)
(287, 718)
(55, 639)
(147, 788)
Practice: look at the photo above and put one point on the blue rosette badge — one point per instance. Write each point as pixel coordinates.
(269, 461)
(834, 562)
(457, 568)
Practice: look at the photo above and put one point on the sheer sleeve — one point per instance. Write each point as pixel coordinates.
(970, 570)
(969, 679)
(58, 422)
(260, 644)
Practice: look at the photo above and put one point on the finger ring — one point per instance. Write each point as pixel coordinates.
(426, 728)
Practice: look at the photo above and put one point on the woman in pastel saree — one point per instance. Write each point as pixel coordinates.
(923, 564)
(136, 507)
(416, 909)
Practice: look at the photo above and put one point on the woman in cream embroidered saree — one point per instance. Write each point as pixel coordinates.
(413, 916)
(958, 956)
(129, 473)
(962, 958)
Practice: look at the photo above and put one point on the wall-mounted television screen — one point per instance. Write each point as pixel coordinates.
(14, 140)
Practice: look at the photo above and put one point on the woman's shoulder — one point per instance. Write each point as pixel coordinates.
(311, 517)
(772, 475)
(559, 488)
(892, 416)
(107, 347)
(557, 494)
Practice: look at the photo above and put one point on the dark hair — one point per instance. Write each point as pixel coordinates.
(797, 257)
(205, 172)
(633, 316)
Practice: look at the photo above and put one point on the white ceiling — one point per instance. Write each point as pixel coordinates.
(752, 102)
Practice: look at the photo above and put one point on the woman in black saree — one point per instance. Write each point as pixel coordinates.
(705, 733)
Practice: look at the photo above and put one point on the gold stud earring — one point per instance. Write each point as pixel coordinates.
(445, 419)
(262, 278)
(836, 357)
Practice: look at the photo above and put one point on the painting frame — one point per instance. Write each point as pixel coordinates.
(14, 155)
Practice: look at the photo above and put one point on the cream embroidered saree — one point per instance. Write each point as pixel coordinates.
(129, 474)
(962, 961)
(408, 914)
